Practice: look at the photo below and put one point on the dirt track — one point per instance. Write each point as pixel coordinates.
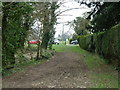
(64, 70)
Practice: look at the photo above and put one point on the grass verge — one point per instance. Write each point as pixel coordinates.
(103, 75)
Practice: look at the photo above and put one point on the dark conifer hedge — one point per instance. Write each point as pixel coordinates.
(106, 44)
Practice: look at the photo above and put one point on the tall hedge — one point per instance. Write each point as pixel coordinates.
(106, 44)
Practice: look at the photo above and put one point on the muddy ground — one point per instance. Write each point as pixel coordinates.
(63, 70)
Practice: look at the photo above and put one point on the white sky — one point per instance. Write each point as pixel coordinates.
(74, 12)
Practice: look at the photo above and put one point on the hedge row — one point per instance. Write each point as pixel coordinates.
(106, 44)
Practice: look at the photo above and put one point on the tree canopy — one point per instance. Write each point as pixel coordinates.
(104, 15)
(79, 25)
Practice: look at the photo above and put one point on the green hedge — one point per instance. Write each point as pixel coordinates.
(106, 44)
(70, 40)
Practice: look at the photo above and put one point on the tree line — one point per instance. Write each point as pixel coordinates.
(101, 17)
(98, 31)
(17, 21)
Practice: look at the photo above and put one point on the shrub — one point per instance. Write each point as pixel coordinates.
(46, 54)
(106, 44)
(70, 39)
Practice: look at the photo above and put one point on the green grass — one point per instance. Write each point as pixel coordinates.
(104, 80)
(60, 47)
(94, 62)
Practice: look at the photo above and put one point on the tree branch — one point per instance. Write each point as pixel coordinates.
(67, 10)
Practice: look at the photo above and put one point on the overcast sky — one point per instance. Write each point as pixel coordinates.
(73, 14)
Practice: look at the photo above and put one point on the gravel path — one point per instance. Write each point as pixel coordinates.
(64, 70)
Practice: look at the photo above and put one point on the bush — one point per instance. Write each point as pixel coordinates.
(46, 54)
(70, 39)
(106, 44)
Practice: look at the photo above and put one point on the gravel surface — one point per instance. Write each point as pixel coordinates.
(63, 70)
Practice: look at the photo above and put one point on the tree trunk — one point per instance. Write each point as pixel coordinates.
(41, 56)
(37, 58)
(45, 40)
(50, 44)
(28, 44)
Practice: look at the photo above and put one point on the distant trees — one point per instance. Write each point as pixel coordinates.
(102, 17)
(74, 36)
(80, 25)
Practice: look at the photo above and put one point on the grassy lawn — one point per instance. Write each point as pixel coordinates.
(60, 48)
(103, 75)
